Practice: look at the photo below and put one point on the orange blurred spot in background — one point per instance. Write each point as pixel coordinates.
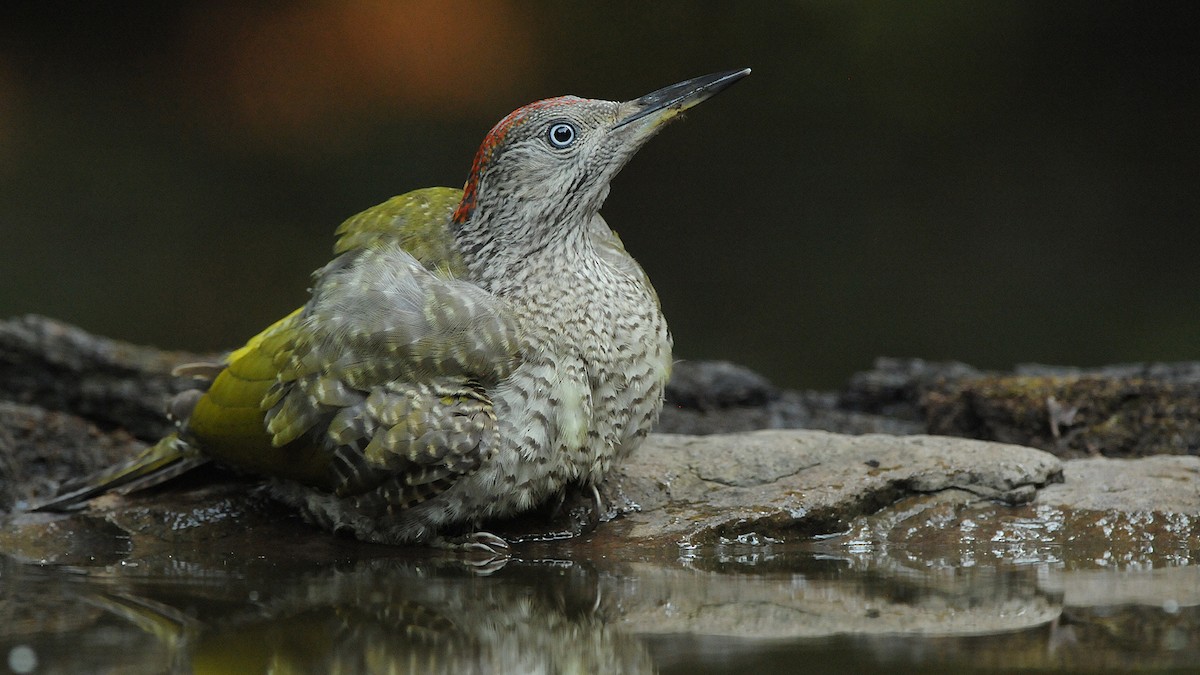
(289, 70)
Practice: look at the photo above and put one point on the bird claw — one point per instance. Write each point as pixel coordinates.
(483, 542)
(486, 542)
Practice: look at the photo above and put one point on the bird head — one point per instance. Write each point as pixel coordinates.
(545, 169)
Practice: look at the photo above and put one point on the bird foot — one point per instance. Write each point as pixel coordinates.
(483, 542)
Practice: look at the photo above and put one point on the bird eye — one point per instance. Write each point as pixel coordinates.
(561, 134)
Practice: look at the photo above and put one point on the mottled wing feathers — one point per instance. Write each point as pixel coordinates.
(390, 318)
(227, 421)
(412, 441)
(378, 386)
(417, 221)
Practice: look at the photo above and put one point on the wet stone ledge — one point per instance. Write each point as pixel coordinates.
(71, 402)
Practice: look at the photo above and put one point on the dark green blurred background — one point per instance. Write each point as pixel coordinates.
(991, 182)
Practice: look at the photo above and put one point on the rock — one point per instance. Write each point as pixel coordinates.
(1071, 415)
(789, 485)
(1113, 514)
(896, 387)
(39, 449)
(1128, 410)
(56, 366)
(1162, 484)
(790, 410)
(708, 385)
(711, 397)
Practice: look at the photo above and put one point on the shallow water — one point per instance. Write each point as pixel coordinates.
(849, 603)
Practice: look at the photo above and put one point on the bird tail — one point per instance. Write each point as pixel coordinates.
(161, 462)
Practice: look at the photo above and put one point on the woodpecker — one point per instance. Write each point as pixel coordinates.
(465, 356)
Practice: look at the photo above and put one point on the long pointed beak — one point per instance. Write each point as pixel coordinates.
(668, 102)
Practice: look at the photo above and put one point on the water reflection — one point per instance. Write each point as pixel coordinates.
(372, 616)
(728, 609)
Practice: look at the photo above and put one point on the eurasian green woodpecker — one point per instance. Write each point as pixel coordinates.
(465, 356)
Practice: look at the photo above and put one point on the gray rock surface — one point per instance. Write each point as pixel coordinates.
(1147, 485)
(792, 484)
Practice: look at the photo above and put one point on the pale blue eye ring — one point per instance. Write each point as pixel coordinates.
(561, 134)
